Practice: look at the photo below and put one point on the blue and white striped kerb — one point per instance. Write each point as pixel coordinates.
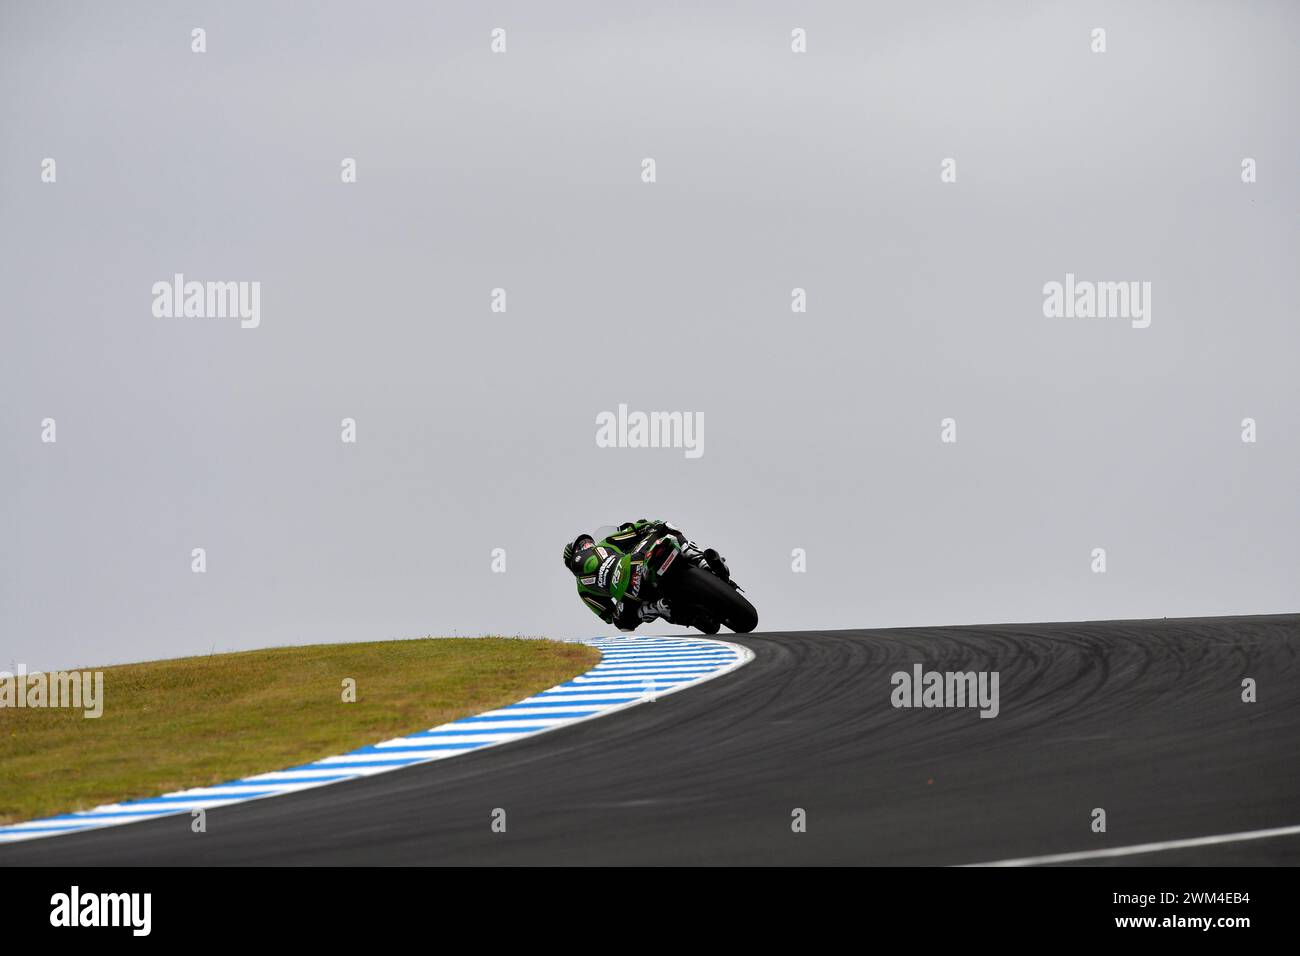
(632, 670)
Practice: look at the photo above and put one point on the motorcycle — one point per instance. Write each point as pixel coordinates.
(701, 597)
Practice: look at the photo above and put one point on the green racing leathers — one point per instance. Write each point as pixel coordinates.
(597, 568)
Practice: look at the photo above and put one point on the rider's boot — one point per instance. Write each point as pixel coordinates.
(687, 617)
(708, 559)
(655, 609)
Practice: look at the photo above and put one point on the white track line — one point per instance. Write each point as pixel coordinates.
(1138, 849)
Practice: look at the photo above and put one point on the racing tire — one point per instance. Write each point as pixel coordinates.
(697, 588)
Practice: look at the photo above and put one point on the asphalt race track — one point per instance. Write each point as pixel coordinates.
(1141, 718)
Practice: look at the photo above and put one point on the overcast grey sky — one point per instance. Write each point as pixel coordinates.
(522, 170)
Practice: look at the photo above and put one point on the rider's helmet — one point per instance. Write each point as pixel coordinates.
(575, 555)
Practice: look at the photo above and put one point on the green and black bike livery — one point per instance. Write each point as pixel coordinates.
(648, 569)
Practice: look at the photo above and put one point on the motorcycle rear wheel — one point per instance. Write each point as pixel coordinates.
(697, 588)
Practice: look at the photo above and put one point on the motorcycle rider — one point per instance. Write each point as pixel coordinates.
(584, 556)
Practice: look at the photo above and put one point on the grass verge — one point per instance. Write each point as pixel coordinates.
(198, 721)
